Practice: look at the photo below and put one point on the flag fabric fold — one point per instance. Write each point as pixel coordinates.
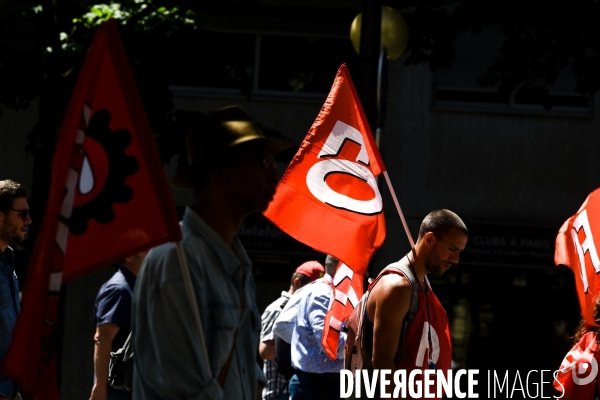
(328, 197)
(576, 247)
(109, 198)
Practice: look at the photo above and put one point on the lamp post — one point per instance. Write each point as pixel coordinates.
(379, 35)
(384, 36)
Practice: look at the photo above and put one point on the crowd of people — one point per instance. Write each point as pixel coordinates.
(191, 306)
(199, 336)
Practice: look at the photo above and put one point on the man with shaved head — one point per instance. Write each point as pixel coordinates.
(425, 343)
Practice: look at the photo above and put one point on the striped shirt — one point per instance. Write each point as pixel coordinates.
(276, 383)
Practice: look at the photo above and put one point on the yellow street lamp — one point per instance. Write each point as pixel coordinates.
(394, 32)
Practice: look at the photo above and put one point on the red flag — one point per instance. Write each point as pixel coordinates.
(347, 289)
(576, 377)
(109, 198)
(576, 247)
(328, 197)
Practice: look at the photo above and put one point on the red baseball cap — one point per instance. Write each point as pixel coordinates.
(312, 269)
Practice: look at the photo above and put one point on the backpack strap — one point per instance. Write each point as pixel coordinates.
(412, 310)
(407, 272)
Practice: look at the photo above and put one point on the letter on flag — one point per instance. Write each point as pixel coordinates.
(328, 197)
(576, 247)
(109, 198)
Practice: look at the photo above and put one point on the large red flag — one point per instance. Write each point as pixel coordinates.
(576, 247)
(109, 198)
(328, 197)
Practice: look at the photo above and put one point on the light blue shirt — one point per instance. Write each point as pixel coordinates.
(308, 354)
(169, 360)
(285, 322)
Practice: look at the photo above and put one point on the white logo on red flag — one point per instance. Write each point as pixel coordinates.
(579, 369)
(317, 174)
(577, 249)
(587, 246)
(328, 198)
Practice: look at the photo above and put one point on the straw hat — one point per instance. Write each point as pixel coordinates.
(218, 132)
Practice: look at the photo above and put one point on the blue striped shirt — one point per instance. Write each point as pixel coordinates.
(169, 360)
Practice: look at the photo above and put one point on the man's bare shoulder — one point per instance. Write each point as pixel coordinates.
(389, 299)
(392, 284)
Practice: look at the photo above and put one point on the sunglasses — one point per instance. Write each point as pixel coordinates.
(24, 213)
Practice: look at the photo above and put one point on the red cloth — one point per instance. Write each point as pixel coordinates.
(576, 247)
(417, 349)
(348, 290)
(578, 372)
(328, 197)
(109, 199)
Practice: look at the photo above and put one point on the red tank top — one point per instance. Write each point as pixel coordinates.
(428, 339)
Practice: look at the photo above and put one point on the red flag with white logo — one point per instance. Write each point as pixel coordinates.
(576, 377)
(109, 199)
(328, 197)
(347, 290)
(576, 247)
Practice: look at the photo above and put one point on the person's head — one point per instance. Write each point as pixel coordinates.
(227, 150)
(14, 213)
(582, 327)
(331, 264)
(134, 262)
(306, 273)
(443, 235)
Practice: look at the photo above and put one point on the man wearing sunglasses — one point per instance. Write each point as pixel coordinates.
(14, 221)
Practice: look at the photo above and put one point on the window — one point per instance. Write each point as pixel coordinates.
(456, 88)
(257, 65)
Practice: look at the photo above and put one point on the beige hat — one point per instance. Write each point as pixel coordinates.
(216, 133)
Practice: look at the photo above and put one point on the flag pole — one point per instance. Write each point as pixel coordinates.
(410, 238)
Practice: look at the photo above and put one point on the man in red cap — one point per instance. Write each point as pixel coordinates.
(277, 384)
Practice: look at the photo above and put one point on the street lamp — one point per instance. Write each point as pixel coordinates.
(394, 32)
(394, 38)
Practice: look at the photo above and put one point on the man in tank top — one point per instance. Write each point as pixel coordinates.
(427, 345)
